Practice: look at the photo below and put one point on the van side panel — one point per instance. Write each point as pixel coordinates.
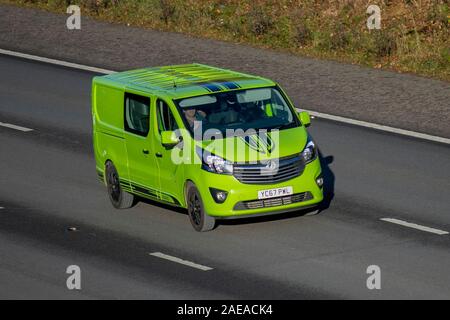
(109, 141)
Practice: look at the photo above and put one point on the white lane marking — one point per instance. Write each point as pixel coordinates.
(415, 226)
(13, 126)
(54, 61)
(1, 208)
(180, 261)
(313, 113)
(379, 127)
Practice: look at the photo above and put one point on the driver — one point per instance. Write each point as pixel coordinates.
(194, 117)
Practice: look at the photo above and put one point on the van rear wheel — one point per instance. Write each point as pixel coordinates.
(200, 220)
(120, 199)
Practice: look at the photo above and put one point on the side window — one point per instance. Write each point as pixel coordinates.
(166, 120)
(137, 114)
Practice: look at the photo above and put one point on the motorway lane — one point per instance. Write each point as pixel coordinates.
(48, 184)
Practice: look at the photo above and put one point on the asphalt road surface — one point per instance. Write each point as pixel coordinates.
(48, 185)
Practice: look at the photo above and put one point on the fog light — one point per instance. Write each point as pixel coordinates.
(219, 196)
(319, 181)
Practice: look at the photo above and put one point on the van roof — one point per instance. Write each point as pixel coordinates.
(180, 81)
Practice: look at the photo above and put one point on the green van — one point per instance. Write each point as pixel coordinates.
(221, 144)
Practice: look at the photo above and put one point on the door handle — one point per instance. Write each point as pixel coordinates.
(145, 151)
(158, 154)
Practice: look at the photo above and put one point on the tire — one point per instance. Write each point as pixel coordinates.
(200, 220)
(120, 199)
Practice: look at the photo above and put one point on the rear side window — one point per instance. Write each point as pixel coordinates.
(166, 120)
(137, 114)
(108, 105)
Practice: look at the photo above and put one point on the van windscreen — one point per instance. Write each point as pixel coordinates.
(262, 108)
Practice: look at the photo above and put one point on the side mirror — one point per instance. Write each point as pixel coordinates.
(305, 118)
(169, 139)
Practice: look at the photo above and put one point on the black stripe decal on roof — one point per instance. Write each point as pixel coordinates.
(211, 87)
(230, 85)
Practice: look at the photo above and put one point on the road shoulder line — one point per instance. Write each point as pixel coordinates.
(380, 127)
(355, 122)
(55, 62)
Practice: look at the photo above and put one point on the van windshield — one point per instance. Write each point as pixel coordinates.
(257, 109)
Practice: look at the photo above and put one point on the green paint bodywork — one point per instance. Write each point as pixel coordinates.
(157, 177)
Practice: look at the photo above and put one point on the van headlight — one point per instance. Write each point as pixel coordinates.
(215, 164)
(309, 154)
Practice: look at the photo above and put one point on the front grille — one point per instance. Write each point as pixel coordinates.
(274, 202)
(260, 173)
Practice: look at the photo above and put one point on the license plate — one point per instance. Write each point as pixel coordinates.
(274, 193)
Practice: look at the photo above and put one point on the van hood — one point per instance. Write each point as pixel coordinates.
(258, 147)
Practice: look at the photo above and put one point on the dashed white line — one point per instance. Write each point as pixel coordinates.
(415, 226)
(1, 208)
(180, 261)
(15, 127)
(313, 113)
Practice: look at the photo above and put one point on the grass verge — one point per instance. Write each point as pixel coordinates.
(414, 35)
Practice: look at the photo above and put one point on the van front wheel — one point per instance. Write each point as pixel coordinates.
(120, 199)
(200, 220)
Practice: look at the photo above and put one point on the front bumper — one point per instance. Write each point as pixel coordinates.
(306, 194)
